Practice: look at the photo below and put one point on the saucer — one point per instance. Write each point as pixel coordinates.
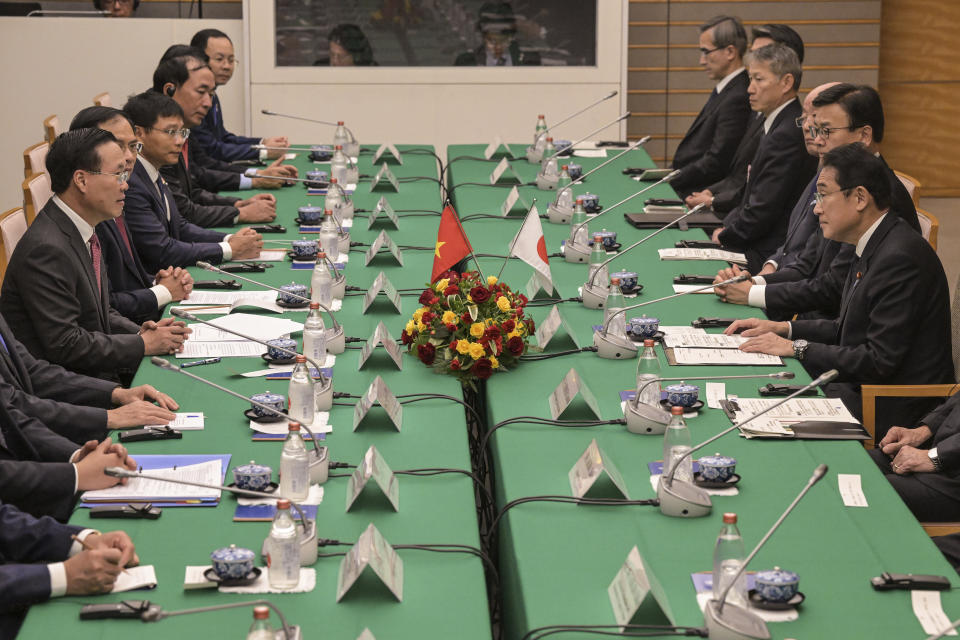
(271, 488)
(271, 360)
(658, 336)
(250, 578)
(293, 305)
(759, 603)
(696, 406)
(296, 258)
(710, 484)
(253, 416)
(305, 223)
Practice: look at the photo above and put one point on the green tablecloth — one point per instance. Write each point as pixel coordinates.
(557, 560)
(444, 594)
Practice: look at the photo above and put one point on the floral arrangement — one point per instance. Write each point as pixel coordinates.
(469, 327)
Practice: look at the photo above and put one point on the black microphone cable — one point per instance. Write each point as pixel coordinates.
(600, 502)
(568, 424)
(629, 630)
(487, 184)
(547, 302)
(546, 356)
(435, 547)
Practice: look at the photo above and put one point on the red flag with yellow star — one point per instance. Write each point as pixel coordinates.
(452, 243)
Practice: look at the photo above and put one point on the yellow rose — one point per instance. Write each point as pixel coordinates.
(419, 313)
(421, 326)
(521, 328)
(503, 304)
(476, 329)
(463, 347)
(493, 359)
(440, 286)
(410, 326)
(491, 280)
(449, 317)
(513, 334)
(476, 350)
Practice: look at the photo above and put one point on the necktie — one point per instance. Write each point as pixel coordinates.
(122, 227)
(163, 196)
(501, 62)
(186, 156)
(95, 256)
(4, 343)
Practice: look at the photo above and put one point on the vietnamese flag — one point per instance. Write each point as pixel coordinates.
(452, 244)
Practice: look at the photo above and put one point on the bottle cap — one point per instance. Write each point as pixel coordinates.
(729, 518)
(598, 238)
(579, 200)
(615, 281)
(677, 410)
(283, 503)
(333, 181)
(564, 167)
(321, 254)
(327, 212)
(261, 613)
(301, 358)
(648, 342)
(549, 139)
(294, 426)
(314, 305)
(541, 116)
(338, 147)
(339, 123)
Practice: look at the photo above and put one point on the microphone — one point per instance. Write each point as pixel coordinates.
(335, 338)
(739, 622)
(574, 253)
(64, 12)
(646, 419)
(548, 176)
(940, 634)
(618, 347)
(154, 614)
(535, 151)
(684, 499)
(595, 296)
(292, 147)
(353, 140)
(318, 467)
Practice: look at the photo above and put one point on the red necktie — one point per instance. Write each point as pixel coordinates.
(122, 227)
(186, 158)
(95, 256)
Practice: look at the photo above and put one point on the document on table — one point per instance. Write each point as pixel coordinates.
(230, 300)
(675, 329)
(777, 422)
(851, 490)
(142, 577)
(701, 254)
(699, 288)
(272, 255)
(255, 326)
(929, 611)
(695, 355)
(703, 340)
(184, 422)
(235, 349)
(147, 489)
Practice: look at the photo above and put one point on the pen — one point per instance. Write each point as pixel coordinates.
(83, 543)
(199, 362)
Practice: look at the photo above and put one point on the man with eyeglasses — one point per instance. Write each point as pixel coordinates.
(211, 133)
(893, 326)
(55, 294)
(117, 8)
(706, 151)
(160, 234)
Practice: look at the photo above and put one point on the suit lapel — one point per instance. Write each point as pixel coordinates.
(151, 188)
(83, 256)
(860, 268)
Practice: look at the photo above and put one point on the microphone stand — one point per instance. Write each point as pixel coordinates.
(335, 341)
(594, 297)
(574, 253)
(646, 419)
(319, 467)
(618, 347)
(548, 181)
(683, 499)
(559, 212)
(535, 151)
(740, 623)
(154, 614)
(353, 140)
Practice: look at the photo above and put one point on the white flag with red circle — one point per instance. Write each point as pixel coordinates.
(530, 246)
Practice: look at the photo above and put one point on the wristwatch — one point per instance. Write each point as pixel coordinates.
(937, 465)
(799, 349)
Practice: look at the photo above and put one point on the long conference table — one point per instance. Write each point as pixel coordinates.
(555, 561)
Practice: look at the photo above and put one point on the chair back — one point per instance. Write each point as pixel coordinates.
(103, 99)
(34, 159)
(13, 224)
(52, 128)
(929, 226)
(36, 193)
(912, 184)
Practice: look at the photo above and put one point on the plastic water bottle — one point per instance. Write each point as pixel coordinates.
(315, 334)
(340, 136)
(564, 179)
(598, 275)
(728, 556)
(261, 629)
(300, 394)
(676, 442)
(648, 369)
(549, 150)
(283, 549)
(294, 465)
(539, 137)
(338, 165)
(615, 302)
(334, 197)
(321, 283)
(578, 228)
(329, 237)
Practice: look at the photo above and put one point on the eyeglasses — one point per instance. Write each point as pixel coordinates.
(826, 131)
(173, 133)
(220, 59)
(121, 177)
(135, 147)
(706, 52)
(800, 120)
(819, 197)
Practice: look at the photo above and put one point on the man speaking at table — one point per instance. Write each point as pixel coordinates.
(894, 320)
(56, 293)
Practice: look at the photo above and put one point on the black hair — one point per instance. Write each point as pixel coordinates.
(497, 17)
(73, 150)
(199, 39)
(861, 103)
(93, 117)
(98, 5)
(176, 65)
(144, 109)
(780, 33)
(352, 38)
(855, 167)
(727, 31)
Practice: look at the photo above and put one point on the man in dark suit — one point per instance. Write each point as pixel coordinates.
(894, 321)
(133, 292)
(706, 151)
(161, 236)
(780, 168)
(56, 293)
(498, 27)
(41, 560)
(923, 463)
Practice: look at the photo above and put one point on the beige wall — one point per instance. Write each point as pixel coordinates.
(118, 56)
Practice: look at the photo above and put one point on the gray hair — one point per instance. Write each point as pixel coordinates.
(727, 31)
(781, 59)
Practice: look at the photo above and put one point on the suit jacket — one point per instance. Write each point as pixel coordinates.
(944, 422)
(778, 174)
(69, 404)
(161, 242)
(706, 152)
(130, 283)
(728, 191)
(51, 301)
(802, 224)
(210, 173)
(219, 143)
(478, 57)
(195, 203)
(893, 326)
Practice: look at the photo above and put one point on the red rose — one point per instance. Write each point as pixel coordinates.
(515, 345)
(508, 326)
(427, 317)
(482, 368)
(455, 364)
(451, 290)
(453, 345)
(405, 338)
(492, 332)
(452, 276)
(452, 328)
(479, 295)
(523, 300)
(427, 353)
(427, 298)
(467, 320)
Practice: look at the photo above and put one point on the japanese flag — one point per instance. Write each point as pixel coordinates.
(530, 246)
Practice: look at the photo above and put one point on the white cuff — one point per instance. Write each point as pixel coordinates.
(756, 296)
(789, 330)
(227, 250)
(758, 280)
(76, 547)
(58, 579)
(164, 297)
(773, 262)
(76, 477)
(245, 183)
